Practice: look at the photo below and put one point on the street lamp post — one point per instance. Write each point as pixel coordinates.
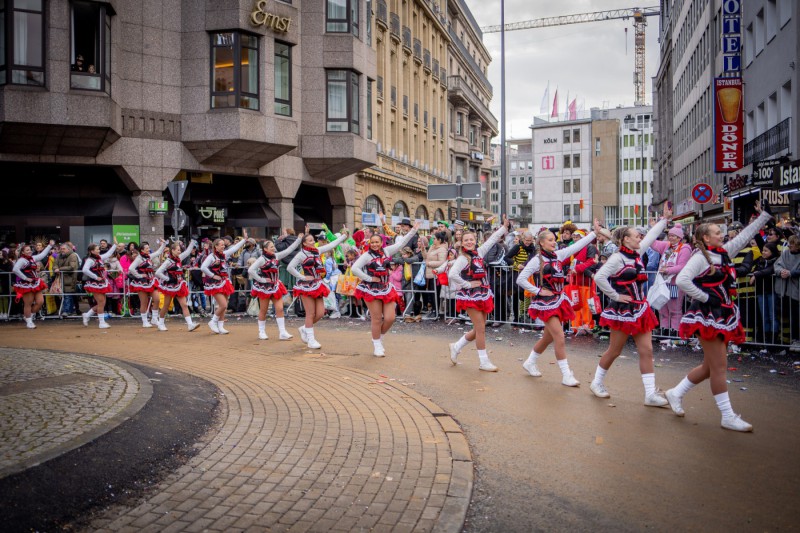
(641, 185)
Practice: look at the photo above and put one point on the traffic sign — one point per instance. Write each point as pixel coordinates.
(471, 191)
(177, 190)
(179, 219)
(702, 193)
(452, 191)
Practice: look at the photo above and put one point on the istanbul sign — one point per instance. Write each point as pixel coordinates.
(261, 17)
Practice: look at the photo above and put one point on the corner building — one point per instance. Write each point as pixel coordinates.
(261, 105)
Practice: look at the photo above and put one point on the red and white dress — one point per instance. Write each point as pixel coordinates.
(624, 275)
(216, 264)
(553, 278)
(26, 269)
(95, 279)
(307, 263)
(141, 274)
(712, 312)
(372, 264)
(469, 267)
(264, 274)
(172, 280)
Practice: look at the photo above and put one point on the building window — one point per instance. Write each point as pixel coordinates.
(566, 210)
(513, 210)
(530, 179)
(369, 108)
(566, 136)
(400, 209)
(369, 22)
(576, 135)
(513, 180)
(597, 146)
(576, 160)
(625, 188)
(342, 101)
(90, 47)
(234, 73)
(566, 161)
(576, 211)
(373, 204)
(459, 124)
(514, 195)
(638, 187)
(576, 185)
(342, 16)
(283, 79)
(566, 186)
(22, 42)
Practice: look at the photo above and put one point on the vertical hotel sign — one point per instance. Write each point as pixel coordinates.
(731, 36)
(728, 125)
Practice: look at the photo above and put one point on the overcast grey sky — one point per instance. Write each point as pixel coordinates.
(588, 59)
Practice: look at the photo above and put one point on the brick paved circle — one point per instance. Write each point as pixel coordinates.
(305, 446)
(53, 403)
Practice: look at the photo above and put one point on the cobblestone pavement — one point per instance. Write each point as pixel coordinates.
(304, 446)
(52, 403)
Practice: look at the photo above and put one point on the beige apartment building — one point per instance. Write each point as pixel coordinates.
(262, 106)
(431, 117)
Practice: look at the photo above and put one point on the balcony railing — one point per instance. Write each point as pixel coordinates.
(435, 68)
(768, 143)
(467, 56)
(407, 37)
(426, 59)
(418, 50)
(382, 18)
(394, 26)
(457, 88)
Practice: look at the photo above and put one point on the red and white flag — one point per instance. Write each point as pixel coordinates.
(573, 112)
(554, 113)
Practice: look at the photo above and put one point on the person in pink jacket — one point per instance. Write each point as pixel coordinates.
(674, 255)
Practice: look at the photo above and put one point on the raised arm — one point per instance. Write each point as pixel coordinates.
(253, 271)
(160, 250)
(493, 239)
(454, 274)
(186, 253)
(358, 267)
(18, 266)
(293, 266)
(397, 246)
(44, 253)
(107, 255)
(530, 267)
(292, 247)
(576, 247)
(684, 280)
(735, 245)
(233, 248)
(331, 245)
(652, 235)
(614, 264)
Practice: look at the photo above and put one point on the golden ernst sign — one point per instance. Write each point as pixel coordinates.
(260, 17)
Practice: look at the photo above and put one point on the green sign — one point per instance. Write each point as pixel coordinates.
(156, 207)
(124, 233)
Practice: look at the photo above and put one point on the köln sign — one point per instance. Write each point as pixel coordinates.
(728, 125)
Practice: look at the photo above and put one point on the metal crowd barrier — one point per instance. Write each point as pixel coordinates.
(769, 319)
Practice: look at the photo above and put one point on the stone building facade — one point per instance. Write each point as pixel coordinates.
(261, 105)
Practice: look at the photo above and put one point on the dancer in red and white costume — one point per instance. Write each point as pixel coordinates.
(372, 267)
(709, 279)
(28, 285)
(216, 279)
(173, 284)
(629, 314)
(95, 282)
(268, 288)
(549, 303)
(468, 276)
(142, 281)
(307, 267)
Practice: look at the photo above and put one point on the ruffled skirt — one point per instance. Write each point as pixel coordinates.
(480, 298)
(629, 318)
(268, 292)
(24, 287)
(174, 291)
(223, 286)
(143, 285)
(97, 286)
(311, 289)
(711, 320)
(379, 291)
(546, 307)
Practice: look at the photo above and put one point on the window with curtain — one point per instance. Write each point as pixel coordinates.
(90, 46)
(342, 99)
(22, 53)
(373, 204)
(283, 79)
(234, 70)
(400, 209)
(342, 16)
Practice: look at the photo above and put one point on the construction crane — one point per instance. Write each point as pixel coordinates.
(639, 16)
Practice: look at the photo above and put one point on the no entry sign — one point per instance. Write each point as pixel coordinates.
(702, 193)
